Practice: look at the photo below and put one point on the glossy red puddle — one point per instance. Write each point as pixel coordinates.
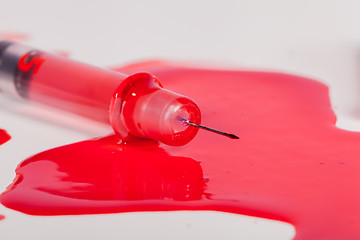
(291, 162)
(4, 136)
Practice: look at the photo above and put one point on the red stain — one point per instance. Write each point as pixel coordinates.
(4, 136)
(2, 217)
(14, 36)
(62, 53)
(291, 162)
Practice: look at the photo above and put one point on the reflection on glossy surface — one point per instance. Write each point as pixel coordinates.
(104, 172)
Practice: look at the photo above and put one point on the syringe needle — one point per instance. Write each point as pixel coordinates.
(229, 135)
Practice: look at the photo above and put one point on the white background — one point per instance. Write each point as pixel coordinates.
(319, 39)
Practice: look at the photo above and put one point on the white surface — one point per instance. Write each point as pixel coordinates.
(319, 39)
(165, 225)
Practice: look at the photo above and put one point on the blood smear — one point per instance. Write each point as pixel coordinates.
(4, 136)
(14, 36)
(290, 164)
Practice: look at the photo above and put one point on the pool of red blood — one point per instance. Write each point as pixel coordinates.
(291, 163)
(4, 136)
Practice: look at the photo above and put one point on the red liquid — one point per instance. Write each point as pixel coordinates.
(291, 162)
(4, 136)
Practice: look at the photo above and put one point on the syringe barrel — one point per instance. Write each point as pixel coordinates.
(57, 81)
(134, 105)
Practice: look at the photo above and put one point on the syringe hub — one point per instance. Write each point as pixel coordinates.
(141, 107)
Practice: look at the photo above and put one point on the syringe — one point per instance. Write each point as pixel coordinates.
(135, 106)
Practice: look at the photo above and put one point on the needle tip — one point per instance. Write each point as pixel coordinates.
(232, 136)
